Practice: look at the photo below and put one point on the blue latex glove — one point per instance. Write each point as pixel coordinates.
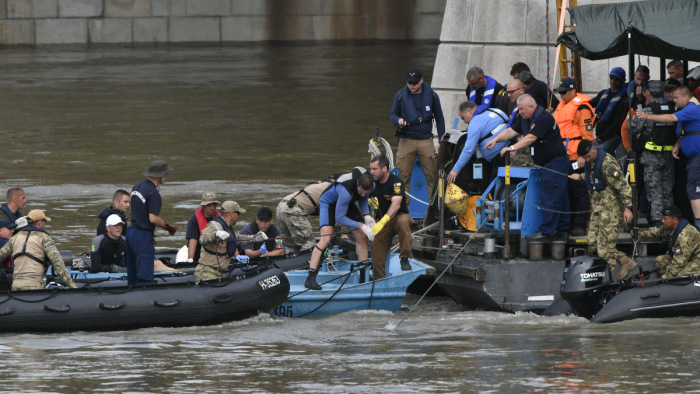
(242, 258)
(263, 249)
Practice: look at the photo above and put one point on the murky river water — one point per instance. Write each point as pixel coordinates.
(253, 123)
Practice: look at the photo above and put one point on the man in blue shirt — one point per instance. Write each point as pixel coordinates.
(541, 133)
(483, 128)
(145, 217)
(338, 205)
(688, 129)
(415, 107)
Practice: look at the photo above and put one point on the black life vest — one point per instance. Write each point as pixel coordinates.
(595, 182)
(349, 182)
(45, 261)
(230, 244)
(663, 134)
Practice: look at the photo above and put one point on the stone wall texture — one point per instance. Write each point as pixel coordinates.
(32, 23)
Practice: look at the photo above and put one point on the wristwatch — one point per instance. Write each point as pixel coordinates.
(512, 148)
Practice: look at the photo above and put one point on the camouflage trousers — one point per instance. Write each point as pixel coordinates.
(603, 230)
(23, 284)
(658, 177)
(669, 269)
(295, 228)
(205, 272)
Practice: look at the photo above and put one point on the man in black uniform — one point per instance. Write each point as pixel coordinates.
(121, 201)
(395, 220)
(109, 249)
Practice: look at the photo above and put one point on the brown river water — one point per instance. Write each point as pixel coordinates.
(253, 123)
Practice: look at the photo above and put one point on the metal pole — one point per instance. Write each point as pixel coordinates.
(506, 208)
(441, 204)
(631, 156)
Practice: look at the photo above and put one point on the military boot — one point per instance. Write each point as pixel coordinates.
(311, 280)
(405, 265)
(626, 266)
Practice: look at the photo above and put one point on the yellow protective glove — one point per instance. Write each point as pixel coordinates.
(373, 202)
(380, 224)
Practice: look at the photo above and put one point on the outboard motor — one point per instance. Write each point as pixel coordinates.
(586, 284)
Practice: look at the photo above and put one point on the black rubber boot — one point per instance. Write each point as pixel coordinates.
(311, 280)
(405, 265)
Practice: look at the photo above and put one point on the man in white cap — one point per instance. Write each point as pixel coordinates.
(202, 216)
(108, 251)
(220, 244)
(145, 217)
(30, 248)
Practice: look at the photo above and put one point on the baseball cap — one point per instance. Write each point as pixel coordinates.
(264, 213)
(584, 147)
(656, 88)
(7, 223)
(672, 84)
(113, 220)
(209, 198)
(618, 72)
(414, 76)
(673, 211)
(566, 84)
(37, 214)
(231, 206)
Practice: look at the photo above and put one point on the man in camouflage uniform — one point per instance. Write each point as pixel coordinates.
(655, 141)
(609, 190)
(683, 241)
(295, 229)
(32, 249)
(219, 243)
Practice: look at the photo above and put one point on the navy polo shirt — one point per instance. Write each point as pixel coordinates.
(145, 199)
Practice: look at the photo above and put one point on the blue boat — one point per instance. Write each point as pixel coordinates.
(348, 286)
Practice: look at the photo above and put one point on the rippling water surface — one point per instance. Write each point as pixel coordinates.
(438, 348)
(253, 123)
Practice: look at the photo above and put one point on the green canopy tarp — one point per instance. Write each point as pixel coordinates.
(667, 29)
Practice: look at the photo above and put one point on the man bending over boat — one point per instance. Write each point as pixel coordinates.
(219, 243)
(683, 244)
(609, 190)
(292, 213)
(32, 249)
(395, 220)
(337, 205)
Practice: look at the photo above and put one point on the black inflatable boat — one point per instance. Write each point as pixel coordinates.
(589, 289)
(172, 301)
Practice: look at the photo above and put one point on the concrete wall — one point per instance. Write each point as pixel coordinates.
(32, 23)
(480, 33)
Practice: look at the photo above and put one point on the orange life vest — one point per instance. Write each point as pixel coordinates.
(564, 116)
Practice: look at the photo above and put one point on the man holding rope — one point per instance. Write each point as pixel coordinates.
(609, 190)
(541, 133)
